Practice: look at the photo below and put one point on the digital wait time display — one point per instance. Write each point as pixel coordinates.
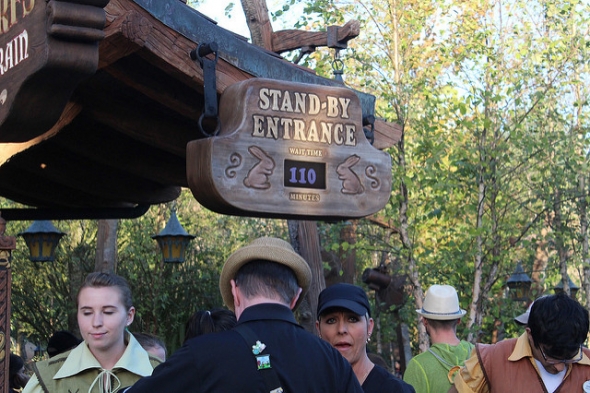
(304, 174)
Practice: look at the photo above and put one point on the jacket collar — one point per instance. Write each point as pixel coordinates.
(522, 349)
(267, 311)
(135, 360)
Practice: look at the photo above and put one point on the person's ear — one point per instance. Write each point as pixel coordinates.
(235, 294)
(370, 326)
(295, 298)
(130, 315)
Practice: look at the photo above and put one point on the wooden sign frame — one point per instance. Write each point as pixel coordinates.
(46, 49)
(289, 150)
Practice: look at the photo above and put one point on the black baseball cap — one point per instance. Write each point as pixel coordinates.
(345, 296)
(61, 341)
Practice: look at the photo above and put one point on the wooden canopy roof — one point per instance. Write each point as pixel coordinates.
(112, 135)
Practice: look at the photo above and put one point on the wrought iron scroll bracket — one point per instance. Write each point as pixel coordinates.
(369, 128)
(209, 85)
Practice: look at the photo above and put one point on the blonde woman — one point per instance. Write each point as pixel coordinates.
(109, 357)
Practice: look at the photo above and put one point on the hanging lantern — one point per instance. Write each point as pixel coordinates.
(173, 240)
(42, 239)
(558, 288)
(519, 284)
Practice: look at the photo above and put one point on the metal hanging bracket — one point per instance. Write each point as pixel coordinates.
(337, 66)
(370, 130)
(209, 84)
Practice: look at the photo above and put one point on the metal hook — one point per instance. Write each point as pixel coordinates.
(202, 129)
(203, 50)
(337, 66)
(210, 110)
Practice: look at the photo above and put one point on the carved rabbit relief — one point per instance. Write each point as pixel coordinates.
(258, 175)
(351, 184)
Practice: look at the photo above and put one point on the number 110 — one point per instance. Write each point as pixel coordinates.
(306, 175)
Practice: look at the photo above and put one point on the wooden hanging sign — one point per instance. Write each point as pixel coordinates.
(46, 48)
(289, 150)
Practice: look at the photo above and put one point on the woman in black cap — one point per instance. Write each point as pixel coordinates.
(344, 320)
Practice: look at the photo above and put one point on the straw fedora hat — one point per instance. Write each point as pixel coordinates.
(441, 303)
(268, 249)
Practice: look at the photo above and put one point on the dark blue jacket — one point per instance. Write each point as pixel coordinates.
(223, 362)
(380, 380)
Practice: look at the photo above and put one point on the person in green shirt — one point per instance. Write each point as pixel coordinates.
(440, 314)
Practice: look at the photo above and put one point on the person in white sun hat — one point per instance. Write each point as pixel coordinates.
(440, 314)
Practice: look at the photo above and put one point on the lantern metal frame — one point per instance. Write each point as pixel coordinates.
(42, 238)
(173, 240)
(519, 284)
(558, 288)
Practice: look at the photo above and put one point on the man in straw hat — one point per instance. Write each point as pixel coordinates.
(440, 314)
(548, 357)
(267, 351)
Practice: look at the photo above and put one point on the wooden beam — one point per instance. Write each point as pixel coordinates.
(286, 40)
(134, 157)
(8, 150)
(387, 134)
(123, 36)
(65, 168)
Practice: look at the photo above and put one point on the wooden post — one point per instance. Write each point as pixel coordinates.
(106, 246)
(348, 258)
(306, 242)
(7, 244)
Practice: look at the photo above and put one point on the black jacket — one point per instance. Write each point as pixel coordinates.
(224, 362)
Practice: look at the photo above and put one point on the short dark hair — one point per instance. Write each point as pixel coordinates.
(17, 379)
(270, 279)
(559, 323)
(443, 324)
(148, 340)
(205, 322)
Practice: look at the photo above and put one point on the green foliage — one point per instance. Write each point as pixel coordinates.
(165, 295)
(489, 98)
(493, 100)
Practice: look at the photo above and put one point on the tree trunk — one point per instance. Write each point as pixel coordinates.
(348, 257)
(562, 252)
(540, 262)
(584, 235)
(306, 242)
(106, 246)
(258, 22)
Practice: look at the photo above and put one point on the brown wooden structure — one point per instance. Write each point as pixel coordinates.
(7, 244)
(100, 106)
(99, 99)
(289, 150)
